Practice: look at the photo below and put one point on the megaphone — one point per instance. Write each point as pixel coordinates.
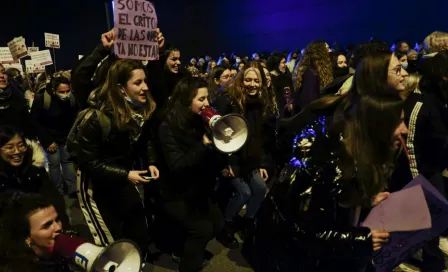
(229, 132)
(121, 255)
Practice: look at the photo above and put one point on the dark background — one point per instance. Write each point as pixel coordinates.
(201, 27)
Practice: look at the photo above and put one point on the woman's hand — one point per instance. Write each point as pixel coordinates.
(108, 39)
(154, 171)
(228, 173)
(264, 174)
(135, 178)
(160, 38)
(379, 197)
(379, 237)
(206, 140)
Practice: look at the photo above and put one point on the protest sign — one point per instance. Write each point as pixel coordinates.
(135, 30)
(32, 67)
(5, 55)
(18, 66)
(18, 48)
(52, 40)
(32, 49)
(42, 57)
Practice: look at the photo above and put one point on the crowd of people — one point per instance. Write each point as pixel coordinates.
(331, 133)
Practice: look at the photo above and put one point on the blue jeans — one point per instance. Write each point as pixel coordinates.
(62, 168)
(251, 192)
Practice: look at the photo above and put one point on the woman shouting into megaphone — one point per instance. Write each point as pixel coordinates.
(192, 165)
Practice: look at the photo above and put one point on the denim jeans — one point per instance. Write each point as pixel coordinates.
(251, 192)
(60, 167)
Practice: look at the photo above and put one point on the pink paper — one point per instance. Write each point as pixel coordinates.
(405, 210)
(135, 30)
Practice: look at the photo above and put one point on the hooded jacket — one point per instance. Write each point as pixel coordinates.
(31, 177)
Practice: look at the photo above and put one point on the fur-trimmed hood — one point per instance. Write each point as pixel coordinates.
(39, 156)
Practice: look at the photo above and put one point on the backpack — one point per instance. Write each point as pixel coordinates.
(83, 116)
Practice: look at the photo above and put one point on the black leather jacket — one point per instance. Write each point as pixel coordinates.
(305, 212)
(107, 163)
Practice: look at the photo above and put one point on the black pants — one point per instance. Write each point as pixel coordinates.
(113, 214)
(198, 228)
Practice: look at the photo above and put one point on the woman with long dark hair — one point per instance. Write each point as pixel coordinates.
(22, 168)
(112, 165)
(29, 224)
(341, 162)
(192, 165)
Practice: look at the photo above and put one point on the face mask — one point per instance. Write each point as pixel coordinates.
(132, 102)
(405, 65)
(63, 97)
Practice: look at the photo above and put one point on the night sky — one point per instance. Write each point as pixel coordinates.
(201, 27)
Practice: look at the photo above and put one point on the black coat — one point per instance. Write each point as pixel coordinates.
(304, 224)
(247, 159)
(107, 163)
(32, 178)
(188, 167)
(58, 119)
(427, 143)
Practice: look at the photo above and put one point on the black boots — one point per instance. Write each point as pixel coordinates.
(227, 236)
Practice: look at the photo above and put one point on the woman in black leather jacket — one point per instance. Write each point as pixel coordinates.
(341, 163)
(109, 163)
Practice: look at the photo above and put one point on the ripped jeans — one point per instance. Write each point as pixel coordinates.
(251, 192)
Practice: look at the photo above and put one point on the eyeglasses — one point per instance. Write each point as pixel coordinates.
(11, 149)
(397, 70)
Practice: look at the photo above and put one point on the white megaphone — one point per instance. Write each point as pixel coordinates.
(122, 255)
(229, 132)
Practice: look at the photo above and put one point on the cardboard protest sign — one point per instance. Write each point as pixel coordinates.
(18, 66)
(18, 48)
(32, 67)
(5, 55)
(135, 30)
(42, 57)
(32, 49)
(52, 40)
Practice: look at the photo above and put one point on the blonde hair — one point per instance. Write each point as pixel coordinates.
(411, 85)
(436, 42)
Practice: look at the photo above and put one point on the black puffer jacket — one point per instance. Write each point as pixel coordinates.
(303, 225)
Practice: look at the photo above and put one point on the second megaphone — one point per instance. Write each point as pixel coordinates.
(229, 132)
(122, 255)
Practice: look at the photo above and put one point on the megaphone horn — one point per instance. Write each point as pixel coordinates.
(229, 132)
(121, 255)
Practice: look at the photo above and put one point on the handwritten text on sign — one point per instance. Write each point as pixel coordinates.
(135, 30)
(42, 57)
(52, 40)
(18, 48)
(5, 55)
